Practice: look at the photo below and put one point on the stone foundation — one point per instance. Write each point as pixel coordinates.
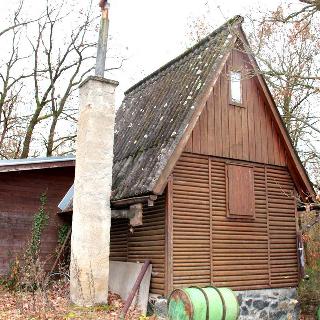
(273, 304)
(158, 306)
(265, 304)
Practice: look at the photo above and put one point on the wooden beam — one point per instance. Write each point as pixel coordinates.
(122, 204)
(122, 214)
(129, 201)
(134, 214)
(169, 238)
(60, 252)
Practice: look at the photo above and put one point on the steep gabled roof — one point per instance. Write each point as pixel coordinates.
(157, 111)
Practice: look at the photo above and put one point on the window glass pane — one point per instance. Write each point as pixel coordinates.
(235, 86)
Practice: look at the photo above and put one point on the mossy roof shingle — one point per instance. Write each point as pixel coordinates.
(156, 111)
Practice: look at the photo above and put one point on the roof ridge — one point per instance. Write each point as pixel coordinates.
(236, 20)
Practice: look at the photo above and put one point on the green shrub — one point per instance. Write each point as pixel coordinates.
(26, 271)
(62, 233)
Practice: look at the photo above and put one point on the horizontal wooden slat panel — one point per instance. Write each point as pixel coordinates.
(143, 242)
(244, 253)
(282, 221)
(191, 222)
(244, 242)
(148, 242)
(118, 239)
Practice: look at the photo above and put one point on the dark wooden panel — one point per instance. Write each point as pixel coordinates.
(240, 193)
(119, 240)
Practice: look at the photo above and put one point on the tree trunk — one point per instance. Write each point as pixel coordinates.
(51, 135)
(28, 136)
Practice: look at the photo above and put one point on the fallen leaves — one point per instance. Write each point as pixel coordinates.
(54, 304)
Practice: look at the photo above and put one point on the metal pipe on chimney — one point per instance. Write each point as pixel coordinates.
(103, 39)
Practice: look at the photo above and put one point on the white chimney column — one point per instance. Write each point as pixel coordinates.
(90, 240)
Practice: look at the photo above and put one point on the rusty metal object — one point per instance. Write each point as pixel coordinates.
(134, 289)
(195, 303)
(103, 39)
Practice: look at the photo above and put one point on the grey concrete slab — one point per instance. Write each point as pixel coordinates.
(122, 276)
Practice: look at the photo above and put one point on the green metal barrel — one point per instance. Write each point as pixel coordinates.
(207, 303)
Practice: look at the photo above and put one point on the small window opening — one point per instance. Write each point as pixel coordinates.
(235, 87)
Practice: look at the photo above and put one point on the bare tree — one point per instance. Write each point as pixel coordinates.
(16, 21)
(288, 55)
(11, 84)
(288, 60)
(307, 11)
(49, 56)
(57, 71)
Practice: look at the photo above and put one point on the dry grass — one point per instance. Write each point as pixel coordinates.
(55, 304)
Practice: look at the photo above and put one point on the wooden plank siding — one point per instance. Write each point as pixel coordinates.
(143, 242)
(244, 133)
(191, 222)
(282, 225)
(20, 193)
(210, 248)
(240, 246)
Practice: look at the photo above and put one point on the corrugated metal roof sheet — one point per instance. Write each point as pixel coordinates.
(15, 162)
(156, 111)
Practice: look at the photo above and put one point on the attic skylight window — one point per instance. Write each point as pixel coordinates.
(235, 87)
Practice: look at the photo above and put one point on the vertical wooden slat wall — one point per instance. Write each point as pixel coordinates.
(243, 253)
(246, 133)
(143, 242)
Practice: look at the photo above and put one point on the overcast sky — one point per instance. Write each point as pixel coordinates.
(153, 31)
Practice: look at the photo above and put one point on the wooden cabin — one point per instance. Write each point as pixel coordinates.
(204, 134)
(204, 137)
(22, 182)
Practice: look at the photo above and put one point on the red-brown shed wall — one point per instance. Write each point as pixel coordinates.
(19, 200)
